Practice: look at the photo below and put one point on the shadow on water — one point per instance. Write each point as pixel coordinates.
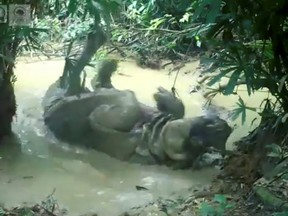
(10, 151)
(33, 163)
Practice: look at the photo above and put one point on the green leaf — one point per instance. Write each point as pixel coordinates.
(273, 155)
(284, 213)
(220, 198)
(219, 76)
(243, 117)
(232, 82)
(206, 209)
(229, 206)
(72, 6)
(2, 211)
(240, 110)
(185, 17)
(253, 121)
(284, 118)
(211, 14)
(282, 82)
(213, 11)
(241, 102)
(251, 108)
(249, 77)
(275, 150)
(155, 23)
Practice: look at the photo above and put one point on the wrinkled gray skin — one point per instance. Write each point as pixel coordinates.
(189, 142)
(71, 119)
(111, 121)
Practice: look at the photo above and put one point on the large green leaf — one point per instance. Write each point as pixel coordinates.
(249, 78)
(229, 89)
(282, 82)
(72, 6)
(211, 13)
(214, 10)
(219, 76)
(240, 110)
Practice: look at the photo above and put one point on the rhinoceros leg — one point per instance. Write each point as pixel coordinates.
(120, 115)
(168, 103)
(117, 144)
(69, 118)
(103, 77)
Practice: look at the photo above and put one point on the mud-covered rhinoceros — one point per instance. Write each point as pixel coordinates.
(116, 123)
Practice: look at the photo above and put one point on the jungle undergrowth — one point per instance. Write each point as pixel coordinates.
(177, 30)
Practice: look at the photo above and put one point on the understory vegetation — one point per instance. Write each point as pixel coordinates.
(246, 43)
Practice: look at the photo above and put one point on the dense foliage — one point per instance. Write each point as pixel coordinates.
(254, 47)
(14, 37)
(247, 37)
(247, 41)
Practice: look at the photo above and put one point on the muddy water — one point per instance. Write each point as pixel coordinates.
(88, 180)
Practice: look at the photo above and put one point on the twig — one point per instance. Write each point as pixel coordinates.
(48, 212)
(119, 50)
(167, 30)
(122, 53)
(168, 63)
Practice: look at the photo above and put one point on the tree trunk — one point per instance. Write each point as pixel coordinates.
(96, 38)
(7, 101)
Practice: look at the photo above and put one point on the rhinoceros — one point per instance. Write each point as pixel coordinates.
(114, 122)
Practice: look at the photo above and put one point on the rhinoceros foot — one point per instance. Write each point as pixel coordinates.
(168, 103)
(120, 111)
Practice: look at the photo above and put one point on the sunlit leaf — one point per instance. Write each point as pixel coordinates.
(185, 17)
(155, 23)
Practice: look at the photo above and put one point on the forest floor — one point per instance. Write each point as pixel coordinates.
(222, 197)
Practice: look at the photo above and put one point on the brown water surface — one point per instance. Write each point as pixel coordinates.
(89, 180)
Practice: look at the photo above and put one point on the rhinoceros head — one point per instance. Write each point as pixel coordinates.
(209, 131)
